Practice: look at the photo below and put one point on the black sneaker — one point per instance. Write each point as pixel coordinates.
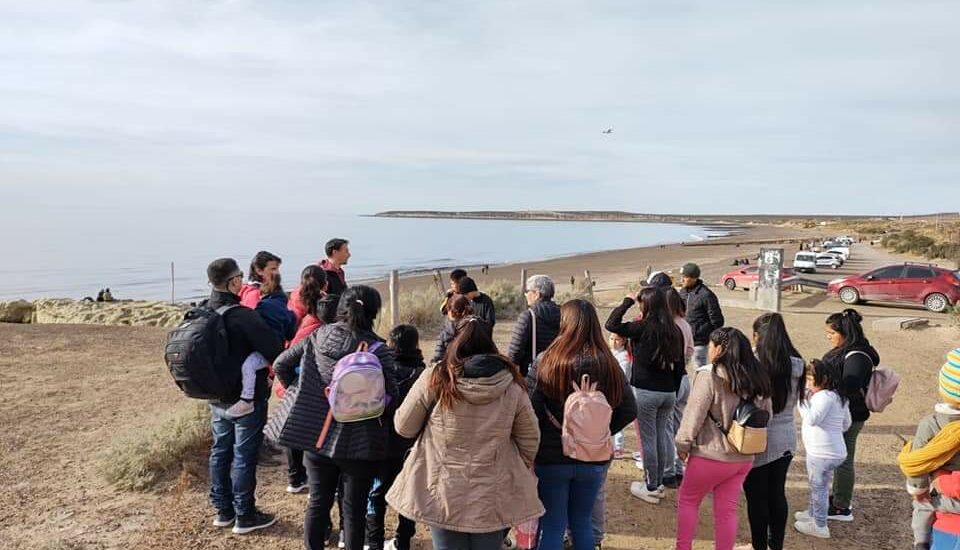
(840, 514)
(252, 522)
(225, 518)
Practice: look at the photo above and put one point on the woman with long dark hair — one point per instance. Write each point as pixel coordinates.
(714, 465)
(569, 487)
(765, 484)
(854, 358)
(658, 367)
(468, 476)
(351, 450)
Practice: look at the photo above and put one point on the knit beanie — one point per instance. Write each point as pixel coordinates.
(950, 379)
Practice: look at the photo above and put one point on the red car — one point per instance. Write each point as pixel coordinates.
(746, 275)
(934, 287)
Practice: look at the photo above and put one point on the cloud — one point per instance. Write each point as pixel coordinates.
(715, 105)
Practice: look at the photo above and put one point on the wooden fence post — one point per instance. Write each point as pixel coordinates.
(523, 281)
(589, 282)
(394, 298)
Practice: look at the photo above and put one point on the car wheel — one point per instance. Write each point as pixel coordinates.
(835, 266)
(849, 295)
(937, 303)
(730, 284)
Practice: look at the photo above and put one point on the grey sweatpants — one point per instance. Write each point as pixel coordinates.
(923, 515)
(655, 415)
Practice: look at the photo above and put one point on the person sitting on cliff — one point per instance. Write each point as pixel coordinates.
(100, 295)
(107, 296)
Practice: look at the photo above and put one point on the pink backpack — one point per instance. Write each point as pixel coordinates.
(357, 391)
(883, 384)
(586, 424)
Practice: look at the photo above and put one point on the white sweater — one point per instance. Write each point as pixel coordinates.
(825, 418)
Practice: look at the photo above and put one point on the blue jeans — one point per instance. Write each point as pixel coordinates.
(820, 471)
(568, 493)
(945, 541)
(444, 539)
(233, 458)
(598, 519)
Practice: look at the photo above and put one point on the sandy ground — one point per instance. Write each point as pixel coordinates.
(70, 390)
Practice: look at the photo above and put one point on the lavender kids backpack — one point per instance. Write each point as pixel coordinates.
(357, 391)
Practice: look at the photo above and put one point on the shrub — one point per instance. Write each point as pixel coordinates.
(579, 291)
(140, 460)
(420, 308)
(507, 299)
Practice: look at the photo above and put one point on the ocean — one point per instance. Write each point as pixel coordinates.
(74, 256)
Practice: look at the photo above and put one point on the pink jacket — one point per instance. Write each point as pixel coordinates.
(250, 295)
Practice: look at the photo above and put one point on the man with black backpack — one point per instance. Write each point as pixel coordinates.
(236, 442)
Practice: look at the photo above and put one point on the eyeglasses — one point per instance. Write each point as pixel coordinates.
(240, 274)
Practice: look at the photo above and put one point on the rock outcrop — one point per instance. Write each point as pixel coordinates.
(124, 312)
(17, 311)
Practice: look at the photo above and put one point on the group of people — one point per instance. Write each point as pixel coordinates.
(475, 442)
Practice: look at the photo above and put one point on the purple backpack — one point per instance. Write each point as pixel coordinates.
(357, 391)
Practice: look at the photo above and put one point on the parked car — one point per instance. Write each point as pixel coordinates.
(844, 251)
(836, 255)
(748, 275)
(829, 260)
(805, 262)
(934, 287)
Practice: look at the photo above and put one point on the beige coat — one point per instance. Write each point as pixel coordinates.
(698, 435)
(470, 469)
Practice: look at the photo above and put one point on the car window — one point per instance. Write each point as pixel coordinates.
(891, 272)
(752, 269)
(915, 272)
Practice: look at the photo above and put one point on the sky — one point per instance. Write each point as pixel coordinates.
(752, 106)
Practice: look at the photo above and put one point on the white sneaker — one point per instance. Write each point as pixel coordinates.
(240, 408)
(342, 543)
(803, 515)
(661, 490)
(296, 489)
(637, 456)
(639, 490)
(390, 545)
(810, 528)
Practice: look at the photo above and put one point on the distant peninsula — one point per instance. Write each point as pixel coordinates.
(725, 221)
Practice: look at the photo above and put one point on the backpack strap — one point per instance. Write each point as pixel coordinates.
(553, 419)
(224, 309)
(326, 428)
(533, 331)
(717, 423)
(372, 348)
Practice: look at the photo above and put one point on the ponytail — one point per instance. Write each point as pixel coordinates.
(358, 308)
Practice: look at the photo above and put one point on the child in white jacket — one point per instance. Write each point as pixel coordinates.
(826, 415)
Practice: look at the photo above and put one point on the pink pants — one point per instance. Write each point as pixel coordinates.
(725, 481)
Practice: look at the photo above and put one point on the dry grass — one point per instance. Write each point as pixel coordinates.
(142, 459)
(420, 308)
(507, 298)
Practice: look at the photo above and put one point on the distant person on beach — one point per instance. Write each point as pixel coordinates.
(107, 295)
(236, 442)
(100, 295)
(537, 326)
(482, 304)
(703, 310)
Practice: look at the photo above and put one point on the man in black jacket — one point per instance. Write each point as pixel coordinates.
(703, 310)
(236, 442)
(543, 313)
(482, 304)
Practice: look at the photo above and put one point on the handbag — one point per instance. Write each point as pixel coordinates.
(278, 418)
(748, 431)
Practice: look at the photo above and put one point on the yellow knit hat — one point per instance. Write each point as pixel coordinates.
(950, 379)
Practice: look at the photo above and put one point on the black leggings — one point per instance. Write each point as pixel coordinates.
(767, 503)
(324, 475)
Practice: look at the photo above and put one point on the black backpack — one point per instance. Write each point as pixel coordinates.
(196, 353)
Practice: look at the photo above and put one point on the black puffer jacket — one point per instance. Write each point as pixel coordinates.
(551, 444)
(650, 371)
(409, 367)
(365, 440)
(483, 308)
(548, 326)
(247, 332)
(856, 370)
(703, 312)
